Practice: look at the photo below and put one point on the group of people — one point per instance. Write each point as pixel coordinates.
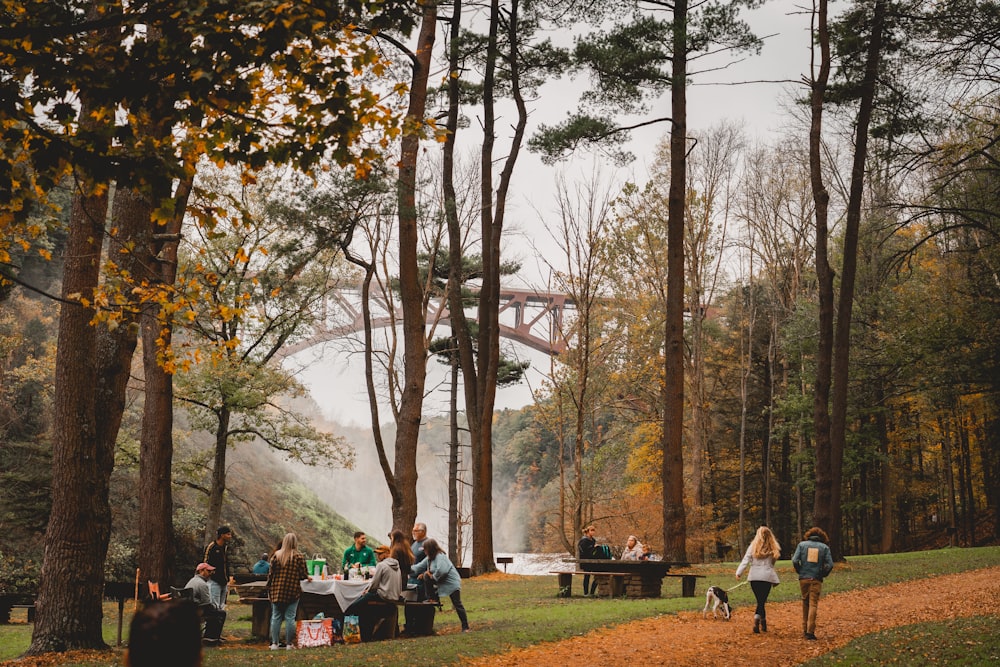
(812, 561)
(587, 548)
(420, 563)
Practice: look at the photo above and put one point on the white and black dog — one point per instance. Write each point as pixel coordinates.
(716, 597)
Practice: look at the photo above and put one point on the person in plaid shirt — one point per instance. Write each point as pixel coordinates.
(288, 568)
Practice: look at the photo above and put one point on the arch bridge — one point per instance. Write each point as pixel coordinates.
(531, 317)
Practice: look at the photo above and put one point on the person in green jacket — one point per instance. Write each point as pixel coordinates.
(813, 561)
(359, 553)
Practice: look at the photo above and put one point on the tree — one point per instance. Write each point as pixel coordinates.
(49, 129)
(255, 289)
(632, 67)
(404, 497)
(579, 390)
(834, 350)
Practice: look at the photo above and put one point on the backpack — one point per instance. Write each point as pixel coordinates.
(602, 552)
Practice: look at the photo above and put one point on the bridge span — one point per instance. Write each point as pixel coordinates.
(531, 317)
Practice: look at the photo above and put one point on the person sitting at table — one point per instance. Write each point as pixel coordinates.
(165, 634)
(261, 566)
(214, 617)
(288, 568)
(633, 549)
(386, 585)
(437, 569)
(399, 548)
(359, 553)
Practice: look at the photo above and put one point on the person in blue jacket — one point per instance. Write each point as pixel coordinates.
(438, 569)
(813, 561)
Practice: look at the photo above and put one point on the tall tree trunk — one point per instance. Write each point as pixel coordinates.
(69, 606)
(845, 306)
(462, 357)
(453, 449)
(156, 447)
(90, 379)
(823, 514)
(674, 523)
(404, 503)
(217, 490)
(481, 393)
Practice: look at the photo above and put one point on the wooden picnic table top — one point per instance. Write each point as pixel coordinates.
(649, 568)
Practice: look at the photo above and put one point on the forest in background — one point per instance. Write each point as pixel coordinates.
(796, 332)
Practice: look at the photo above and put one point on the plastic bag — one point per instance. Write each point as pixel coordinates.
(352, 630)
(317, 632)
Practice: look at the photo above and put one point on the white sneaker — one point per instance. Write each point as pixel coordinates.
(274, 647)
(289, 647)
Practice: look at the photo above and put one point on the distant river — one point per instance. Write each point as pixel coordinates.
(533, 563)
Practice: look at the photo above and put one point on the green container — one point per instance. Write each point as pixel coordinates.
(315, 567)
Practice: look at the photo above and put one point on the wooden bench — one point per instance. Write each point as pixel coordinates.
(616, 581)
(687, 582)
(9, 601)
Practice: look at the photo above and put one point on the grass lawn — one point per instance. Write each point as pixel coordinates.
(510, 612)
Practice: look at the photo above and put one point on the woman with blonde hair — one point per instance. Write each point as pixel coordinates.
(288, 568)
(760, 556)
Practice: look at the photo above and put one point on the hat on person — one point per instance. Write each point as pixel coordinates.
(381, 550)
(204, 566)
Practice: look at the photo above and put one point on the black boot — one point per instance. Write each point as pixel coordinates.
(756, 624)
(763, 625)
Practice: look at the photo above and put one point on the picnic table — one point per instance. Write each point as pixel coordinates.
(332, 597)
(631, 578)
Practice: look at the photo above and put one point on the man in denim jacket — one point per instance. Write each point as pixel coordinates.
(813, 561)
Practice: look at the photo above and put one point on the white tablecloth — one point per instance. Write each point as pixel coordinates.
(346, 591)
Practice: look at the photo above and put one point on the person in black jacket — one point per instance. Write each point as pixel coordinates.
(586, 548)
(217, 555)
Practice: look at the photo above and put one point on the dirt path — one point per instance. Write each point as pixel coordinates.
(688, 639)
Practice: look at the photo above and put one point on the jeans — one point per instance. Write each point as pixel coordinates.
(214, 620)
(456, 602)
(283, 611)
(811, 589)
(218, 592)
(586, 585)
(761, 589)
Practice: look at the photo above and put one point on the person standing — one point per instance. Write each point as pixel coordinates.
(438, 569)
(214, 617)
(417, 550)
(814, 562)
(288, 568)
(760, 557)
(586, 548)
(217, 555)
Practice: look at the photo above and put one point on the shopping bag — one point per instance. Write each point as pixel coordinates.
(352, 630)
(318, 632)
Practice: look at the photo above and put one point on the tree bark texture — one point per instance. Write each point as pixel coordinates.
(71, 587)
(674, 522)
